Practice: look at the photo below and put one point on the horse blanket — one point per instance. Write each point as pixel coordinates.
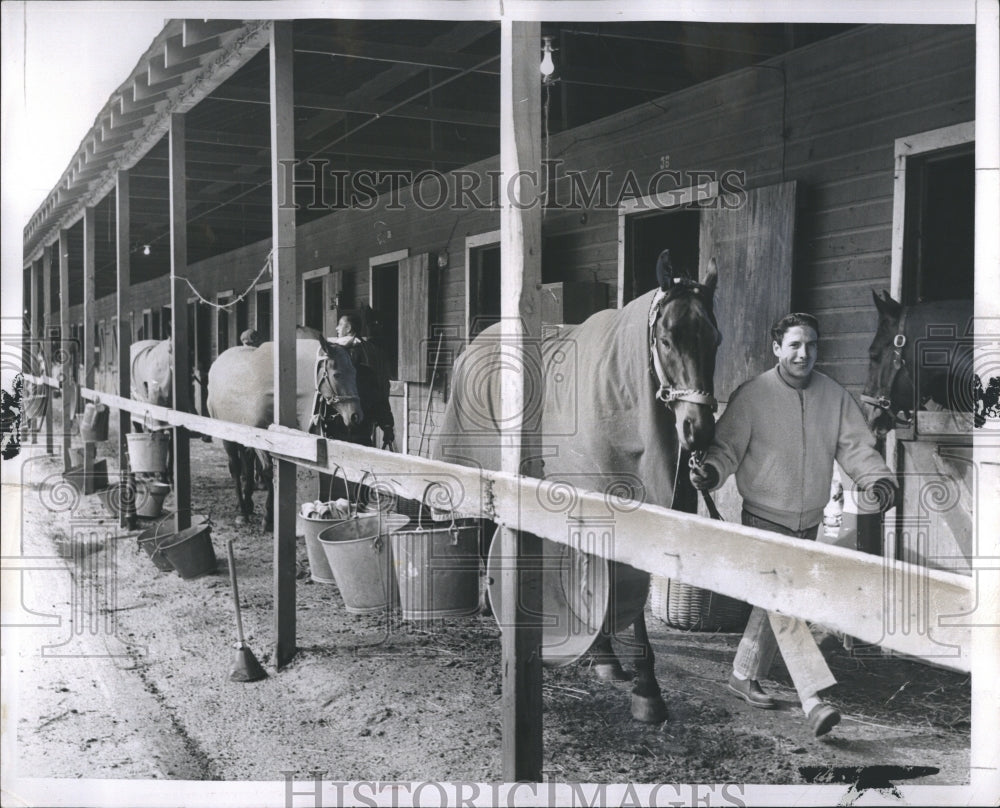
(241, 384)
(602, 426)
(151, 373)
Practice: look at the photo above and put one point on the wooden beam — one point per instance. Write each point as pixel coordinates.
(157, 70)
(520, 318)
(46, 345)
(283, 331)
(123, 306)
(89, 321)
(198, 31)
(297, 446)
(175, 52)
(68, 348)
(914, 610)
(178, 316)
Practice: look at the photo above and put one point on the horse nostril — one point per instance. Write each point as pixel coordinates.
(354, 418)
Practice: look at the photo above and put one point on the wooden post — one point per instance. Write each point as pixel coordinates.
(178, 325)
(89, 316)
(283, 332)
(123, 260)
(34, 333)
(68, 352)
(46, 345)
(520, 281)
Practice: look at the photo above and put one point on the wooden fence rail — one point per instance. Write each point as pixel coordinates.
(910, 609)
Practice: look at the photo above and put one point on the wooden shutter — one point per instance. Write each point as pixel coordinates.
(753, 247)
(414, 317)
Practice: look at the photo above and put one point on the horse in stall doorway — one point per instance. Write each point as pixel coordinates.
(628, 393)
(241, 390)
(906, 371)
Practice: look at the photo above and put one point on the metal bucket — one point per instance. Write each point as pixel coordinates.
(357, 552)
(151, 540)
(191, 551)
(149, 498)
(582, 595)
(148, 451)
(94, 424)
(437, 566)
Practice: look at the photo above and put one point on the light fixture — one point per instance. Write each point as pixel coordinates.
(547, 66)
(145, 249)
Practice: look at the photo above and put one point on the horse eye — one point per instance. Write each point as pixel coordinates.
(665, 342)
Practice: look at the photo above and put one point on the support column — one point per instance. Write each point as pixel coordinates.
(46, 345)
(520, 282)
(68, 352)
(283, 333)
(34, 337)
(178, 326)
(123, 261)
(89, 319)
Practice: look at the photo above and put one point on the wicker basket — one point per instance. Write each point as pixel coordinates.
(687, 607)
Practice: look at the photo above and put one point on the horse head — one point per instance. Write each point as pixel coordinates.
(683, 340)
(888, 393)
(337, 383)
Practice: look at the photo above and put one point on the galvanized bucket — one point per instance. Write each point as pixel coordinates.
(357, 551)
(148, 451)
(437, 567)
(149, 498)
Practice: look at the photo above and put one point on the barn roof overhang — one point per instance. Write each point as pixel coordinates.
(372, 95)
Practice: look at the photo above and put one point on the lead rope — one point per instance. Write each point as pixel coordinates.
(696, 460)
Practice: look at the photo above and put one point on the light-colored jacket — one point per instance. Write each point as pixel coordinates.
(781, 442)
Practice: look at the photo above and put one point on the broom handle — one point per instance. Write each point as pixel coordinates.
(236, 590)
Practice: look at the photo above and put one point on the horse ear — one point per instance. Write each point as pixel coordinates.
(886, 305)
(711, 277)
(664, 271)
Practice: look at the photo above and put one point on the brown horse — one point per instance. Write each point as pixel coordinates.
(627, 394)
(241, 390)
(920, 358)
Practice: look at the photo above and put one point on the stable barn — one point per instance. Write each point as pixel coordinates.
(815, 163)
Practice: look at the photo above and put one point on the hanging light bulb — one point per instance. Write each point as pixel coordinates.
(145, 249)
(547, 66)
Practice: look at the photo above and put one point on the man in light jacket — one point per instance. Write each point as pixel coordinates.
(780, 435)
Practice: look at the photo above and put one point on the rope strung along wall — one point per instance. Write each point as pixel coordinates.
(235, 300)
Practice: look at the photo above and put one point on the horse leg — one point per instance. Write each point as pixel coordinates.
(234, 452)
(647, 702)
(267, 474)
(605, 661)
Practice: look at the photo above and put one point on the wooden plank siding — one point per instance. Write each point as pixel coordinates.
(825, 116)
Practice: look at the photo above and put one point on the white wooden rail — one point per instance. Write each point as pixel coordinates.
(911, 609)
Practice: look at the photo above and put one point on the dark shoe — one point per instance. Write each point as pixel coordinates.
(749, 690)
(823, 718)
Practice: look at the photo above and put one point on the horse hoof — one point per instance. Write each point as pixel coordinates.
(649, 709)
(611, 672)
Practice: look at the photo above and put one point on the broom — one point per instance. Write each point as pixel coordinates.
(246, 668)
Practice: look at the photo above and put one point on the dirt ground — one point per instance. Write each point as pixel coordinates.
(123, 672)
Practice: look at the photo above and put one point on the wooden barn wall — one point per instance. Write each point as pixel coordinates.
(826, 116)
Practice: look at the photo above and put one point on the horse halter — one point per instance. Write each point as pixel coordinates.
(667, 393)
(883, 400)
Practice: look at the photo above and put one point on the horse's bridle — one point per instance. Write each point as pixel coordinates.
(322, 375)
(883, 400)
(667, 392)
